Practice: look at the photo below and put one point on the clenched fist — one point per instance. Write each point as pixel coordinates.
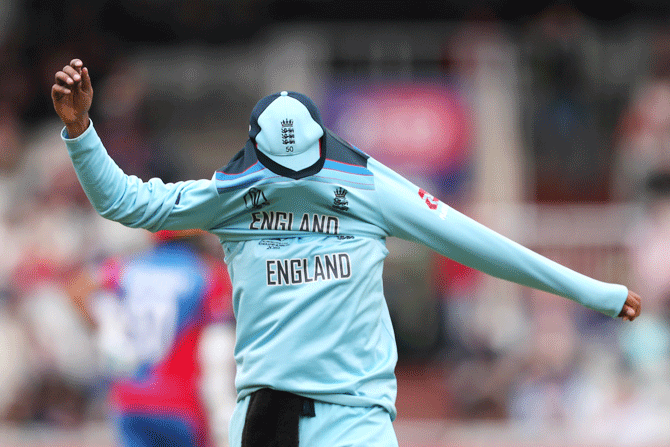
(72, 95)
(631, 308)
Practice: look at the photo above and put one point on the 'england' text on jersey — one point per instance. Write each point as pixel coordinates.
(281, 220)
(292, 271)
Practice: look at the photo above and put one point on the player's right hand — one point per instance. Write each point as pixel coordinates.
(72, 95)
(632, 306)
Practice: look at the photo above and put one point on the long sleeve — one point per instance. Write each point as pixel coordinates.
(412, 214)
(152, 205)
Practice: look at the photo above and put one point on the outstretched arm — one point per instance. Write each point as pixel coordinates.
(413, 214)
(153, 205)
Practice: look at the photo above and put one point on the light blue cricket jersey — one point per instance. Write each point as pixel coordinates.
(305, 252)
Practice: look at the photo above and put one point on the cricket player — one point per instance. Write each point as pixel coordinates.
(152, 309)
(303, 217)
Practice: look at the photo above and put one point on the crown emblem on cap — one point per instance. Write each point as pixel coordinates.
(287, 133)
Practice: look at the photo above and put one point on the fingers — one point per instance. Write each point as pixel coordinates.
(64, 79)
(632, 307)
(85, 80)
(628, 313)
(59, 90)
(63, 85)
(78, 72)
(634, 298)
(635, 303)
(71, 74)
(78, 66)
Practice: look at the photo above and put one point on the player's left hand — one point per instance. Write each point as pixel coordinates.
(631, 308)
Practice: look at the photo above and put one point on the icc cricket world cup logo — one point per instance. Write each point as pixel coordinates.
(255, 199)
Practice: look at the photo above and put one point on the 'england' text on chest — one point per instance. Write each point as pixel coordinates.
(285, 221)
(327, 267)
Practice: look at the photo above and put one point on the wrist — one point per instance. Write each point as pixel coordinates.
(78, 127)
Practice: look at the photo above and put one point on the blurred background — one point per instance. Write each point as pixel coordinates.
(549, 123)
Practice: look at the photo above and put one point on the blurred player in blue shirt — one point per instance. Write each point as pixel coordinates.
(151, 309)
(303, 217)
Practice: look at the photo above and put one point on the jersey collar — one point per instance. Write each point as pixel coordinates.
(290, 173)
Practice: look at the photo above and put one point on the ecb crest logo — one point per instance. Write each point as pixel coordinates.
(255, 199)
(288, 134)
(340, 202)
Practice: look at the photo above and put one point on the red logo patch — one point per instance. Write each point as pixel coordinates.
(430, 200)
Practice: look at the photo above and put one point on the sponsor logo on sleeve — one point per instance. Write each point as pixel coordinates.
(433, 203)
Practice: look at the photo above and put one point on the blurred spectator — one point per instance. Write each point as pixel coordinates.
(479, 384)
(51, 229)
(456, 287)
(11, 154)
(650, 244)
(127, 123)
(567, 139)
(647, 346)
(642, 139)
(14, 355)
(546, 380)
(43, 234)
